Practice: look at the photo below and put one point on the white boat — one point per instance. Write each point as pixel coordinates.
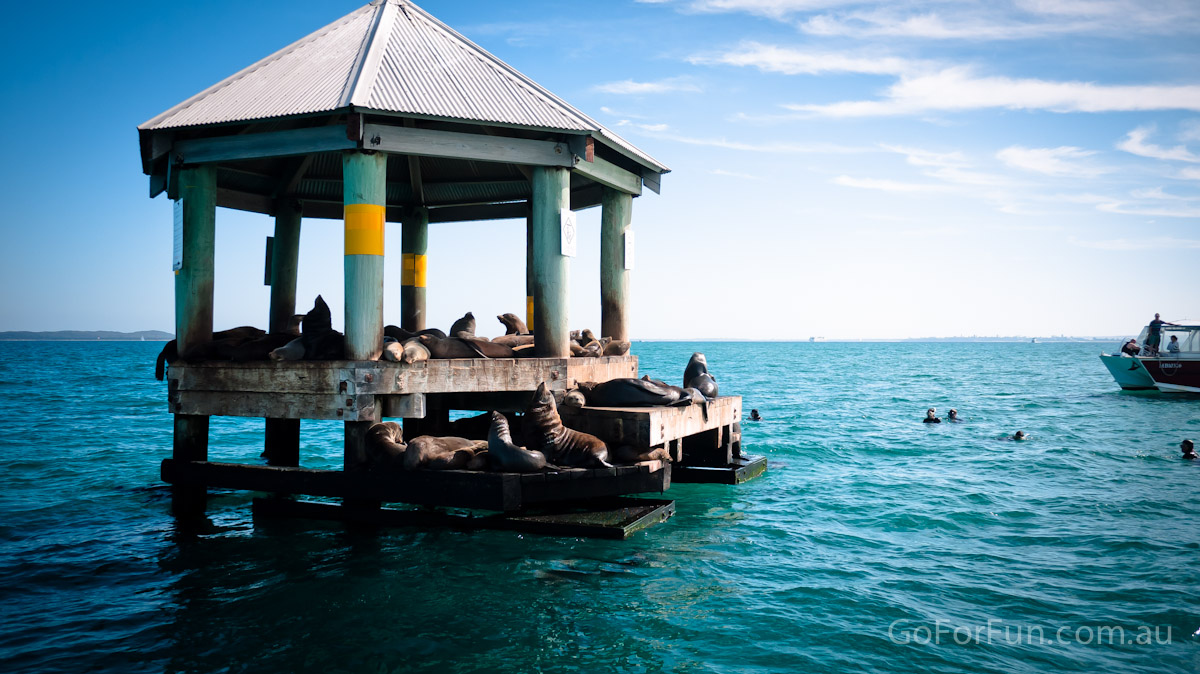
(1164, 370)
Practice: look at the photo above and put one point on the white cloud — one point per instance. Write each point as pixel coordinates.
(958, 89)
(776, 9)
(658, 131)
(1135, 143)
(1150, 243)
(949, 166)
(1052, 161)
(789, 61)
(1189, 130)
(669, 85)
(888, 23)
(1154, 211)
(1189, 173)
(886, 185)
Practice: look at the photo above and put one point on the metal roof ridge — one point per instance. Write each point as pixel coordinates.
(311, 37)
(361, 82)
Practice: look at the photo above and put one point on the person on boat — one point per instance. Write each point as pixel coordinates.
(1155, 335)
(1173, 345)
(1131, 348)
(931, 416)
(952, 415)
(754, 416)
(1019, 435)
(1189, 449)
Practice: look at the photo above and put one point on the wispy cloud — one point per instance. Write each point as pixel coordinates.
(890, 23)
(1189, 173)
(669, 85)
(1150, 210)
(662, 131)
(1150, 243)
(959, 89)
(952, 167)
(791, 61)
(776, 9)
(1060, 162)
(1135, 143)
(887, 185)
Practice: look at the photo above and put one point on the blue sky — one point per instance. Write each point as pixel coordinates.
(839, 169)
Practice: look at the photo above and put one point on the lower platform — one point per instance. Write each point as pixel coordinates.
(613, 518)
(743, 469)
(483, 490)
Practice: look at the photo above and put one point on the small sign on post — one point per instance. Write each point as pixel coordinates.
(177, 255)
(569, 233)
(629, 249)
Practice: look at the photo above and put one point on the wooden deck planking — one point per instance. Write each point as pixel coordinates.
(652, 426)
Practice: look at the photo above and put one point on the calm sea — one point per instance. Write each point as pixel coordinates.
(874, 543)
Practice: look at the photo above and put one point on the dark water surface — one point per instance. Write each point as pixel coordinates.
(866, 517)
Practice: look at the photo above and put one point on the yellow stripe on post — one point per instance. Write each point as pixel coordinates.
(364, 229)
(414, 270)
(529, 312)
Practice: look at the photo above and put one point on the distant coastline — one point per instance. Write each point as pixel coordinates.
(85, 336)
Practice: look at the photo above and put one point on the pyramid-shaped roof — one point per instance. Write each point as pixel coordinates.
(389, 56)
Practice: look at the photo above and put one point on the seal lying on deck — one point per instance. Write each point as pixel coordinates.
(503, 455)
(220, 340)
(628, 392)
(696, 375)
(513, 325)
(466, 324)
(562, 446)
(448, 453)
(318, 340)
(385, 445)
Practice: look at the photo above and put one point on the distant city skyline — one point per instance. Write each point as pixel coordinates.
(842, 169)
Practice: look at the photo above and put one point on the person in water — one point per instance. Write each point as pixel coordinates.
(1189, 449)
(754, 416)
(931, 416)
(1173, 345)
(952, 415)
(1155, 335)
(1019, 435)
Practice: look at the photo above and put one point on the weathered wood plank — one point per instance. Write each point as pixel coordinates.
(451, 144)
(347, 407)
(610, 175)
(258, 145)
(652, 426)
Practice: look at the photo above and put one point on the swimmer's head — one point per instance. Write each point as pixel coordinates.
(953, 413)
(931, 412)
(1019, 435)
(1187, 446)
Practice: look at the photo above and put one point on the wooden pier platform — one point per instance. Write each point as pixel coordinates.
(483, 490)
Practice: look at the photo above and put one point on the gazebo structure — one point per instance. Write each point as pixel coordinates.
(385, 115)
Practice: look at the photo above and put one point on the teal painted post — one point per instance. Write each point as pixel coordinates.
(617, 209)
(364, 177)
(194, 317)
(551, 194)
(414, 246)
(530, 271)
(282, 442)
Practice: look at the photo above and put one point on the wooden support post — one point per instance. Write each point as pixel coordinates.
(414, 246)
(281, 445)
(614, 278)
(194, 316)
(530, 272)
(551, 194)
(364, 179)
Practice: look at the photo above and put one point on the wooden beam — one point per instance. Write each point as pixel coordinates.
(245, 201)
(261, 145)
(652, 180)
(477, 147)
(503, 211)
(610, 175)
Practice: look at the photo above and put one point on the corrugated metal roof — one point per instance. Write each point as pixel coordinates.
(389, 56)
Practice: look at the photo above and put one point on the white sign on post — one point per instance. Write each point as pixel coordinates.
(629, 249)
(177, 256)
(569, 232)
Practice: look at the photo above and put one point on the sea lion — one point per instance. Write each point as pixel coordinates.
(490, 349)
(392, 350)
(397, 333)
(574, 399)
(414, 352)
(385, 445)
(448, 347)
(222, 339)
(586, 337)
(513, 325)
(472, 428)
(562, 446)
(465, 324)
(615, 348)
(696, 375)
(320, 340)
(629, 392)
(526, 351)
(503, 455)
(592, 350)
(441, 453)
(513, 341)
(293, 350)
(576, 349)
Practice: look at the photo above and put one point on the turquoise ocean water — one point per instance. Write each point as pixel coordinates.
(875, 543)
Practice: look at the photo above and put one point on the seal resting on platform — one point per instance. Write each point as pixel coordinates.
(562, 446)
(385, 445)
(615, 348)
(513, 325)
(503, 455)
(465, 324)
(443, 453)
(222, 340)
(513, 341)
(696, 375)
(452, 347)
(585, 337)
(629, 392)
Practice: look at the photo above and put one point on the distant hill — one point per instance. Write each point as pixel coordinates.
(86, 336)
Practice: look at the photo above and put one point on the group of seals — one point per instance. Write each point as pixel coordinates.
(386, 450)
(317, 341)
(241, 344)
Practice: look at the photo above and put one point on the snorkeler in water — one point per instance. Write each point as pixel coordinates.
(952, 415)
(754, 416)
(931, 416)
(1019, 435)
(1189, 449)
